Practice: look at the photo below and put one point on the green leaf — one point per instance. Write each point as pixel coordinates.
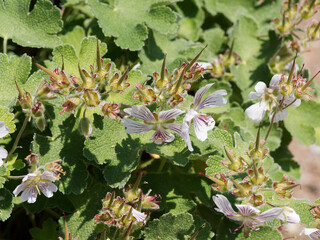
(72, 37)
(6, 204)
(86, 56)
(127, 21)
(215, 166)
(215, 39)
(66, 145)
(178, 204)
(158, 45)
(262, 234)
(81, 224)
(37, 28)
(180, 226)
(48, 231)
(302, 121)
(111, 145)
(134, 77)
(7, 118)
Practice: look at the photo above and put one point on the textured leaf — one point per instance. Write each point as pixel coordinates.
(85, 57)
(171, 226)
(127, 20)
(37, 28)
(6, 204)
(66, 145)
(72, 37)
(262, 234)
(215, 166)
(178, 204)
(111, 145)
(48, 231)
(215, 39)
(303, 120)
(81, 223)
(7, 118)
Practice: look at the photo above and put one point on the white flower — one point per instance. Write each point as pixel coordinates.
(289, 215)
(202, 122)
(312, 233)
(4, 130)
(35, 182)
(248, 215)
(153, 121)
(139, 216)
(280, 115)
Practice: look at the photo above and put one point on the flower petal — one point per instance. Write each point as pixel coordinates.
(202, 124)
(260, 88)
(275, 80)
(4, 130)
(170, 114)
(214, 99)
(19, 188)
(139, 216)
(140, 112)
(279, 115)
(189, 115)
(48, 176)
(182, 131)
(247, 210)
(289, 215)
(200, 93)
(270, 214)
(223, 205)
(313, 233)
(135, 127)
(256, 111)
(3, 153)
(48, 188)
(29, 194)
(161, 136)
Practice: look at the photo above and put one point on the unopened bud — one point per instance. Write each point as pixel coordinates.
(41, 123)
(33, 158)
(85, 127)
(91, 98)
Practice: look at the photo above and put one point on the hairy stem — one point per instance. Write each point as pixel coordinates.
(5, 41)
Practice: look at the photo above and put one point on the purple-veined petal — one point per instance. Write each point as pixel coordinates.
(202, 124)
(170, 114)
(139, 216)
(279, 115)
(141, 112)
(312, 233)
(29, 194)
(256, 111)
(182, 131)
(48, 176)
(289, 215)
(1, 162)
(215, 99)
(135, 127)
(3, 153)
(20, 188)
(223, 205)
(47, 188)
(190, 115)
(4, 130)
(275, 80)
(161, 136)
(200, 93)
(29, 176)
(270, 214)
(247, 210)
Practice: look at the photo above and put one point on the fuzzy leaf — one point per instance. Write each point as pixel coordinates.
(6, 204)
(7, 118)
(127, 21)
(262, 234)
(48, 231)
(111, 145)
(302, 121)
(85, 57)
(72, 37)
(37, 28)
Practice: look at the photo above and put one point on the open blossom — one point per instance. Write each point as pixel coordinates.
(289, 215)
(312, 233)
(270, 98)
(139, 216)
(202, 122)
(35, 182)
(158, 123)
(4, 130)
(248, 215)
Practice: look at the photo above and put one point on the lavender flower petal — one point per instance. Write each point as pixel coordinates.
(200, 93)
(135, 127)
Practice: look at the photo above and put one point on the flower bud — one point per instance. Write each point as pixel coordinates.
(71, 104)
(234, 163)
(257, 200)
(33, 158)
(284, 188)
(43, 91)
(41, 123)
(85, 127)
(91, 98)
(257, 177)
(110, 110)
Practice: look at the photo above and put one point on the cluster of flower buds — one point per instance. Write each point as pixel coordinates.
(32, 106)
(125, 213)
(221, 65)
(90, 91)
(39, 179)
(313, 233)
(167, 90)
(284, 187)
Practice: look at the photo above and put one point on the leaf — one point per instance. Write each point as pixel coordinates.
(85, 57)
(262, 234)
(302, 121)
(66, 144)
(158, 45)
(215, 166)
(48, 231)
(215, 39)
(180, 226)
(178, 204)
(37, 28)
(6, 204)
(81, 224)
(127, 21)
(111, 145)
(72, 37)
(7, 118)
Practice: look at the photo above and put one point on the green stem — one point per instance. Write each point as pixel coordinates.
(270, 127)
(162, 163)
(5, 41)
(15, 145)
(14, 177)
